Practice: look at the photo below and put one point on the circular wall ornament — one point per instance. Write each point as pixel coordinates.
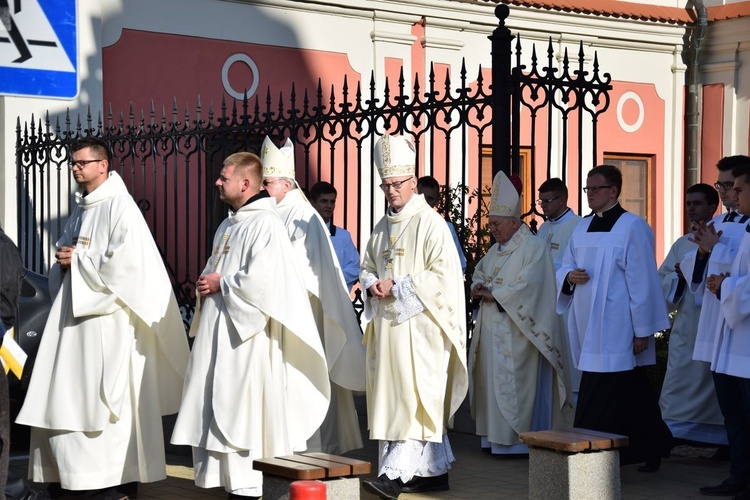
(630, 96)
(244, 58)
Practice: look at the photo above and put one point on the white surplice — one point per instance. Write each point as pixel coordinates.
(113, 355)
(711, 321)
(731, 354)
(601, 327)
(511, 391)
(335, 319)
(257, 383)
(688, 398)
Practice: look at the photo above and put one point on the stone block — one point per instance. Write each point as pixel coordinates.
(557, 475)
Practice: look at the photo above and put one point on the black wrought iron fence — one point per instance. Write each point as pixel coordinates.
(170, 160)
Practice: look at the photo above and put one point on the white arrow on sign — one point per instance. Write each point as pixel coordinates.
(27, 40)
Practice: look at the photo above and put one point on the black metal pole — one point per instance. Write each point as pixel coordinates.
(501, 92)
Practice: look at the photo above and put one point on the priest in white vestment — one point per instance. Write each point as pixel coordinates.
(555, 232)
(416, 346)
(257, 383)
(331, 304)
(722, 253)
(519, 379)
(112, 358)
(608, 279)
(688, 398)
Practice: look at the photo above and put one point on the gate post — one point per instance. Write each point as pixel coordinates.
(502, 90)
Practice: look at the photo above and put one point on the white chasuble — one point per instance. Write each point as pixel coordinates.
(620, 265)
(508, 347)
(416, 367)
(688, 398)
(113, 355)
(335, 319)
(257, 383)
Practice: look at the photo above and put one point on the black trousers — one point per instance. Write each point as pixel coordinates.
(733, 394)
(624, 403)
(4, 431)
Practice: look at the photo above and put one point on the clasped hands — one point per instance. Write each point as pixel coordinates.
(64, 256)
(480, 291)
(208, 284)
(381, 289)
(713, 282)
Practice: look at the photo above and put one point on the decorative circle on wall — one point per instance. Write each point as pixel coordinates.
(630, 96)
(243, 58)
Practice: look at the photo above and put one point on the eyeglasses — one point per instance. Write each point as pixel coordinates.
(80, 163)
(594, 189)
(268, 182)
(724, 186)
(395, 185)
(543, 203)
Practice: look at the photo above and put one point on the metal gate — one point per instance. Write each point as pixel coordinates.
(169, 160)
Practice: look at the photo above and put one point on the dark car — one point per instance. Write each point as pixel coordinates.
(33, 308)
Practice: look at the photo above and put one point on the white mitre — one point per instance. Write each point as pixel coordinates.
(395, 156)
(277, 162)
(505, 201)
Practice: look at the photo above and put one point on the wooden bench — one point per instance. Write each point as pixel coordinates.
(338, 473)
(575, 464)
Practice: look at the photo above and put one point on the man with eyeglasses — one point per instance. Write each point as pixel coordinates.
(113, 355)
(416, 345)
(718, 243)
(555, 232)
(608, 280)
(329, 297)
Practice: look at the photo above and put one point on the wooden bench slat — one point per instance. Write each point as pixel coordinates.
(595, 442)
(332, 469)
(358, 467)
(618, 441)
(574, 440)
(285, 468)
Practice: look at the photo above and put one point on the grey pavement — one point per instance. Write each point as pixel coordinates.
(476, 475)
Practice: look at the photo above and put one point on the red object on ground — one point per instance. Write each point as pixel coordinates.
(307, 490)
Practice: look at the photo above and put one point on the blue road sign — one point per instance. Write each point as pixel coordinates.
(39, 48)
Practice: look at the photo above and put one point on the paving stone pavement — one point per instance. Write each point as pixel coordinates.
(475, 475)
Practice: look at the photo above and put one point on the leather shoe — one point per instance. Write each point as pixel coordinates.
(383, 486)
(729, 487)
(419, 484)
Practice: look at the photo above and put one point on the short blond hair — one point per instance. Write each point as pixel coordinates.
(247, 165)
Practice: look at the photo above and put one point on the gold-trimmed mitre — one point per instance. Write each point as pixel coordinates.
(395, 156)
(277, 162)
(505, 200)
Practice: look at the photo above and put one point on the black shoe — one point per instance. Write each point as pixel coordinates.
(418, 484)
(234, 496)
(727, 488)
(55, 491)
(383, 487)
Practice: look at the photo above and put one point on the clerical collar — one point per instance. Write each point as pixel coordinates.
(567, 209)
(605, 220)
(604, 213)
(262, 194)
